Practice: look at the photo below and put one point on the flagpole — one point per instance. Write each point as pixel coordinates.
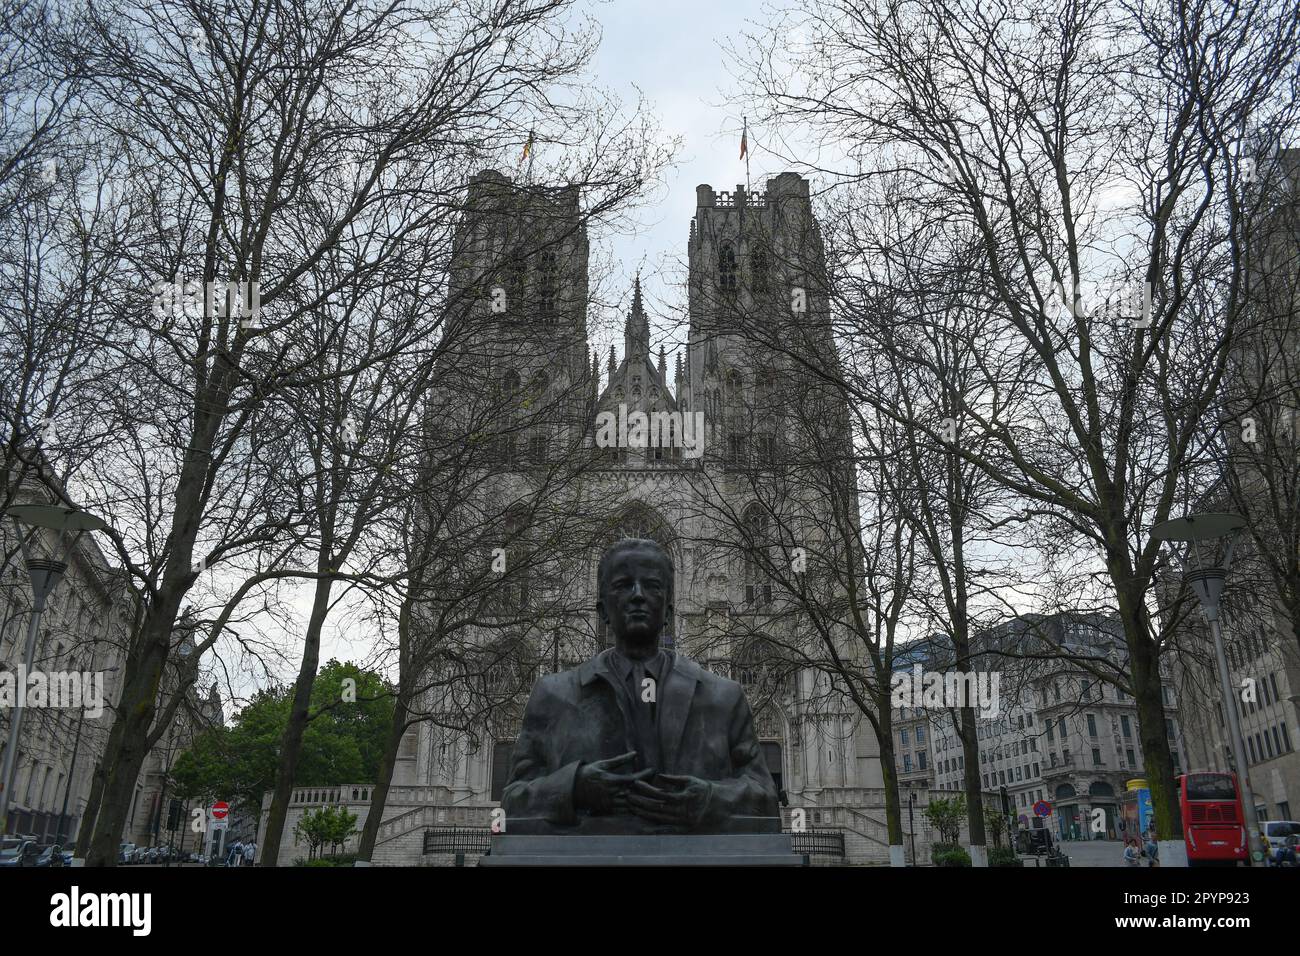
(745, 140)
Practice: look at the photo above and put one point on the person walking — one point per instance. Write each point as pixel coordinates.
(1152, 850)
(236, 854)
(1132, 853)
(250, 851)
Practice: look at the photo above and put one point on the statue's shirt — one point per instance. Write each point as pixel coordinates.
(642, 701)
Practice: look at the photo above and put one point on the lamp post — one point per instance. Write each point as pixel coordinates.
(45, 574)
(1203, 546)
(911, 823)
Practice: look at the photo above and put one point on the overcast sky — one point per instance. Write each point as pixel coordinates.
(671, 50)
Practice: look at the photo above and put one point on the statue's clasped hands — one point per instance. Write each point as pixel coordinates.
(675, 799)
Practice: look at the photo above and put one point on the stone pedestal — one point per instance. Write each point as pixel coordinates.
(715, 849)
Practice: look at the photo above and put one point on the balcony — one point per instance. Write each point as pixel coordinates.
(1061, 768)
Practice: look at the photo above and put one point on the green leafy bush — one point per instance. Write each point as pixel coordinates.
(947, 855)
(1003, 856)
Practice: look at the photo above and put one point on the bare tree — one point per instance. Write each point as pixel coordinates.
(1065, 149)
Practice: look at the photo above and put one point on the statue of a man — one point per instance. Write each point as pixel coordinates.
(638, 735)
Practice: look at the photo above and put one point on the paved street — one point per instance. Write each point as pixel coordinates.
(1094, 852)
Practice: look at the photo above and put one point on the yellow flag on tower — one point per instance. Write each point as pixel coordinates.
(744, 140)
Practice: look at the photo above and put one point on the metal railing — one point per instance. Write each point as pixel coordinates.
(457, 840)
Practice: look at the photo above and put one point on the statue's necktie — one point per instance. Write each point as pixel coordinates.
(643, 716)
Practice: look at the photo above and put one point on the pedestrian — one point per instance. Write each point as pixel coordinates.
(1132, 853)
(250, 851)
(236, 855)
(1152, 850)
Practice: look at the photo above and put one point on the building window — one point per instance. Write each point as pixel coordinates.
(546, 283)
(758, 271)
(727, 267)
(1132, 760)
(902, 736)
(920, 735)
(1096, 757)
(920, 760)
(1124, 726)
(1092, 725)
(907, 763)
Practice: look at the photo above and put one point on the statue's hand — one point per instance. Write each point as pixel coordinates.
(599, 789)
(683, 803)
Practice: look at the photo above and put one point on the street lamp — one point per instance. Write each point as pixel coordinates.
(1203, 546)
(911, 823)
(45, 574)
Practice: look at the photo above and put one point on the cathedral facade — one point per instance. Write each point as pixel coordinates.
(710, 496)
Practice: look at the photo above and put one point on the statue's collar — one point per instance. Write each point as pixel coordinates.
(602, 664)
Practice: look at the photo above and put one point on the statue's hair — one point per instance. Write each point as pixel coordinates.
(623, 544)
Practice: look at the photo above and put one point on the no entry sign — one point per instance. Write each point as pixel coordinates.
(220, 809)
(1042, 808)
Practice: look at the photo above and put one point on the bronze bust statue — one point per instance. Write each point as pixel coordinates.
(638, 739)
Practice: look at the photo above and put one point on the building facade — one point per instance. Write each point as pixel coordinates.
(709, 496)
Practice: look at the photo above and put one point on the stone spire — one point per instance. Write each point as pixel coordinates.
(611, 361)
(663, 365)
(595, 376)
(636, 333)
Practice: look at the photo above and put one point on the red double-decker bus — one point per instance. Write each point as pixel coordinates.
(1214, 827)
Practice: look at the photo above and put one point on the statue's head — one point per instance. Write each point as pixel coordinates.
(635, 584)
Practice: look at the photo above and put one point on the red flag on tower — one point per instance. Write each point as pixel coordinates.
(744, 140)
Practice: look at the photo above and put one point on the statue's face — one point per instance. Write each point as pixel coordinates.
(635, 600)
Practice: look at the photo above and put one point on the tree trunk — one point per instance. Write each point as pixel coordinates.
(379, 795)
(1157, 763)
(128, 742)
(889, 772)
(91, 813)
(291, 740)
(970, 749)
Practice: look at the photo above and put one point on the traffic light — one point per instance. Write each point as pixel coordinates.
(174, 815)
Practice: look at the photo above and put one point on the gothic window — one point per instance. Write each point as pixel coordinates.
(758, 271)
(537, 447)
(759, 668)
(538, 385)
(517, 573)
(727, 267)
(516, 272)
(546, 286)
(758, 586)
(501, 755)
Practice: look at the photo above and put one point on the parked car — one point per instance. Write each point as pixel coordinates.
(52, 855)
(19, 853)
(138, 854)
(124, 853)
(1277, 831)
